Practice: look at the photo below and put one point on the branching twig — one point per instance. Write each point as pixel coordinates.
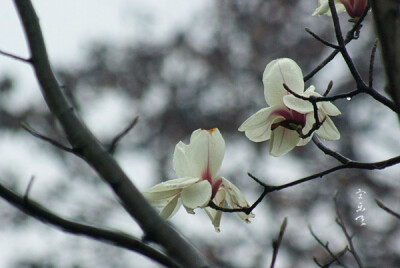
(116, 238)
(350, 164)
(47, 139)
(114, 142)
(335, 258)
(277, 242)
(382, 206)
(326, 43)
(28, 189)
(349, 238)
(15, 57)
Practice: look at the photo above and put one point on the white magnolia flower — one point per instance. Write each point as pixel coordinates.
(288, 114)
(197, 166)
(323, 8)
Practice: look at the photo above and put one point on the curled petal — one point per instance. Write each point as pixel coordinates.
(279, 72)
(282, 141)
(235, 199)
(161, 199)
(258, 126)
(206, 151)
(196, 196)
(173, 184)
(215, 215)
(170, 210)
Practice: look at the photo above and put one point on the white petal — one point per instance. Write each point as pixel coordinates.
(161, 199)
(297, 104)
(235, 199)
(215, 215)
(323, 8)
(173, 184)
(330, 108)
(309, 124)
(258, 126)
(181, 164)
(282, 141)
(206, 150)
(196, 196)
(277, 73)
(328, 130)
(171, 209)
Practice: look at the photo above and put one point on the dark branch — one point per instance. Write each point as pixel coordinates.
(15, 57)
(350, 164)
(382, 206)
(28, 189)
(326, 150)
(79, 136)
(371, 64)
(277, 242)
(349, 238)
(116, 140)
(116, 238)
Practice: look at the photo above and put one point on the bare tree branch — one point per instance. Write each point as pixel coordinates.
(349, 238)
(382, 206)
(116, 238)
(94, 154)
(277, 242)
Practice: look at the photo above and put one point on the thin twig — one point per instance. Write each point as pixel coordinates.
(28, 189)
(33, 132)
(349, 238)
(371, 64)
(326, 43)
(335, 258)
(116, 238)
(115, 141)
(15, 57)
(277, 243)
(328, 88)
(382, 206)
(348, 165)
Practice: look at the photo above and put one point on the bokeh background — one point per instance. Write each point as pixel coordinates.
(182, 65)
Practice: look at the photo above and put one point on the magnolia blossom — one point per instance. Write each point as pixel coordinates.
(197, 166)
(355, 8)
(288, 114)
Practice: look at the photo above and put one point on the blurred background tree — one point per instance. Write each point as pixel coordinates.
(208, 74)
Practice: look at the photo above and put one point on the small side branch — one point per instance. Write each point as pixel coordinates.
(14, 57)
(116, 238)
(385, 208)
(118, 138)
(342, 159)
(277, 242)
(36, 134)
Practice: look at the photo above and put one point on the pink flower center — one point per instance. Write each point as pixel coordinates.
(214, 184)
(293, 119)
